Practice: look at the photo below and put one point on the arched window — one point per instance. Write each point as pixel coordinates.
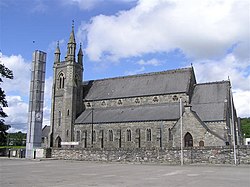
(61, 80)
(128, 135)
(188, 140)
(201, 143)
(78, 136)
(138, 137)
(170, 136)
(84, 138)
(111, 135)
(94, 136)
(58, 141)
(101, 137)
(76, 80)
(148, 136)
(59, 118)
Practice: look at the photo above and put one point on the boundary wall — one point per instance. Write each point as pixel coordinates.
(194, 155)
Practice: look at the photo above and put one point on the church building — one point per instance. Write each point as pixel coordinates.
(151, 110)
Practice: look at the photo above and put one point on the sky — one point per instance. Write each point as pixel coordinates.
(126, 37)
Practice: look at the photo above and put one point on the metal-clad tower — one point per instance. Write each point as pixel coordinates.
(35, 116)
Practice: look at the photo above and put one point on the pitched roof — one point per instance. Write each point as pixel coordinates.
(129, 114)
(208, 100)
(45, 131)
(172, 81)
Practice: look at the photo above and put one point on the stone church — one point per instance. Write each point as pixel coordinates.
(149, 110)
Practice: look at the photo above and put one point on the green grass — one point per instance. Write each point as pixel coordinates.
(12, 147)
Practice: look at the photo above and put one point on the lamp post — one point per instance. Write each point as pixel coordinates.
(181, 131)
(92, 125)
(232, 127)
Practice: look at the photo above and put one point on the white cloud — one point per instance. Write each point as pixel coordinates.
(21, 70)
(52, 46)
(17, 111)
(241, 101)
(85, 4)
(17, 91)
(201, 29)
(151, 62)
(137, 71)
(14, 130)
(211, 70)
(47, 101)
(39, 6)
(90, 4)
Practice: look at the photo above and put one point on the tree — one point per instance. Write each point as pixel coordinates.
(17, 139)
(5, 73)
(245, 127)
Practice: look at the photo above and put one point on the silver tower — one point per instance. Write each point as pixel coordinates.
(35, 117)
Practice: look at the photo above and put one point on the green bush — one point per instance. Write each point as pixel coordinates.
(245, 127)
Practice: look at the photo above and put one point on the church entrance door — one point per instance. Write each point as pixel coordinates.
(58, 141)
(188, 140)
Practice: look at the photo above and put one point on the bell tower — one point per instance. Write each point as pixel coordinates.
(67, 93)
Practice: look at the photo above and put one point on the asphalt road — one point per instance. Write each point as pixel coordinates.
(22, 172)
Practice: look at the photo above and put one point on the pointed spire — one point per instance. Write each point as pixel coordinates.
(72, 34)
(80, 50)
(80, 54)
(57, 48)
(57, 53)
(71, 46)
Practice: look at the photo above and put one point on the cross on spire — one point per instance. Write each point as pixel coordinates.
(73, 24)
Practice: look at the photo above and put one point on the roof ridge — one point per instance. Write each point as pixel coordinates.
(145, 74)
(214, 82)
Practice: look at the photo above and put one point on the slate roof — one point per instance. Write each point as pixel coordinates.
(130, 114)
(208, 100)
(45, 131)
(172, 81)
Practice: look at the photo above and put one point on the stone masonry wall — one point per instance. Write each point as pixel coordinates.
(135, 101)
(159, 135)
(195, 155)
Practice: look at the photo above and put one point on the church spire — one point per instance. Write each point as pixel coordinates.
(57, 53)
(72, 34)
(71, 45)
(80, 54)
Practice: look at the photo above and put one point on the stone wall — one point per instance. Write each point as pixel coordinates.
(200, 133)
(195, 155)
(12, 152)
(135, 101)
(159, 135)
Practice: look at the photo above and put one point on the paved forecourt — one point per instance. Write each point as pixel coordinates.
(22, 172)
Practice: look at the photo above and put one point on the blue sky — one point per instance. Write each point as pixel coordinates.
(126, 37)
